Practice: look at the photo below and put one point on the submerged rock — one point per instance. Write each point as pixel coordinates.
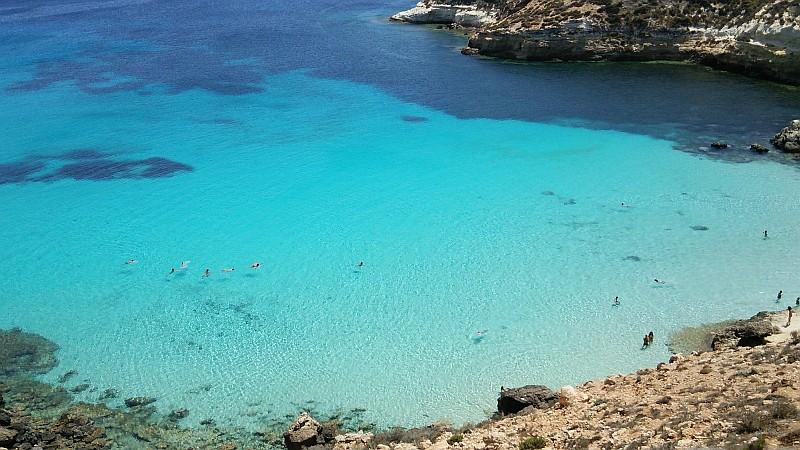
(24, 353)
(179, 414)
(304, 432)
(758, 148)
(138, 401)
(788, 139)
(63, 378)
(514, 400)
(719, 145)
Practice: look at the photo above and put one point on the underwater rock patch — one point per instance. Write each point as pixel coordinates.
(24, 353)
(414, 119)
(632, 258)
(699, 228)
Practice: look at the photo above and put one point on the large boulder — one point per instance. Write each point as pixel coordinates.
(304, 432)
(788, 139)
(514, 400)
(744, 333)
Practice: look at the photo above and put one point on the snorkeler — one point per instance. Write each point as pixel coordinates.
(228, 269)
(255, 265)
(659, 281)
(131, 262)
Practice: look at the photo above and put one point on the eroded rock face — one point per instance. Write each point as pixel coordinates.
(304, 432)
(788, 139)
(24, 353)
(759, 38)
(744, 333)
(514, 400)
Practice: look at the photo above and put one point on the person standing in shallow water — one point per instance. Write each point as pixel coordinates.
(791, 313)
(650, 338)
(765, 234)
(645, 342)
(780, 295)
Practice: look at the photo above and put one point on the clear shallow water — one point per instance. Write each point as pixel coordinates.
(464, 223)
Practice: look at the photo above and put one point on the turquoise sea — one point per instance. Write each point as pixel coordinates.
(498, 208)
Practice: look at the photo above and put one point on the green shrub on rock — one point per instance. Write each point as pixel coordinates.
(533, 442)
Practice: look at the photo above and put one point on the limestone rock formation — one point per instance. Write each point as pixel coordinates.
(759, 38)
(515, 400)
(304, 432)
(788, 139)
(463, 14)
(744, 333)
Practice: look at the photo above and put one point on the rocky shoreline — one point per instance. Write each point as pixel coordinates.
(758, 38)
(741, 389)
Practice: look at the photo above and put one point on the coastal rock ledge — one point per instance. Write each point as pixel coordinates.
(463, 14)
(758, 38)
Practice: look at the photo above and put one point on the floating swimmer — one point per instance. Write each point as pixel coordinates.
(131, 262)
(616, 301)
(659, 281)
(228, 269)
(361, 264)
(171, 271)
(185, 265)
(255, 265)
(207, 273)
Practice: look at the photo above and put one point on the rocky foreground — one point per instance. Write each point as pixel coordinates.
(745, 394)
(742, 394)
(759, 38)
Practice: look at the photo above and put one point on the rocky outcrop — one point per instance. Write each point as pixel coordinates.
(525, 398)
(788, 139)
(304, 432)
(70, 430)
(725, 399)
(759, 38)
(744, 333)
(466, 14)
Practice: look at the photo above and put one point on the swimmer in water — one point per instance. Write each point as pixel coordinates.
(185, 265)
(207, 273)
(171, 271)
(131, 262)
(659, 281)
(255, 265)
(228, 269)
(616, 301)
(780, 295)
(765, 234)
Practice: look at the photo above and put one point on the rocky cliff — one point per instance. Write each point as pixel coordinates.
(760, 38)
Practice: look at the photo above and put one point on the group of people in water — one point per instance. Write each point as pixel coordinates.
(206, 273)
(648, 340)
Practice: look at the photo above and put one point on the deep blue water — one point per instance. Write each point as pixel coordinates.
(483, 196)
